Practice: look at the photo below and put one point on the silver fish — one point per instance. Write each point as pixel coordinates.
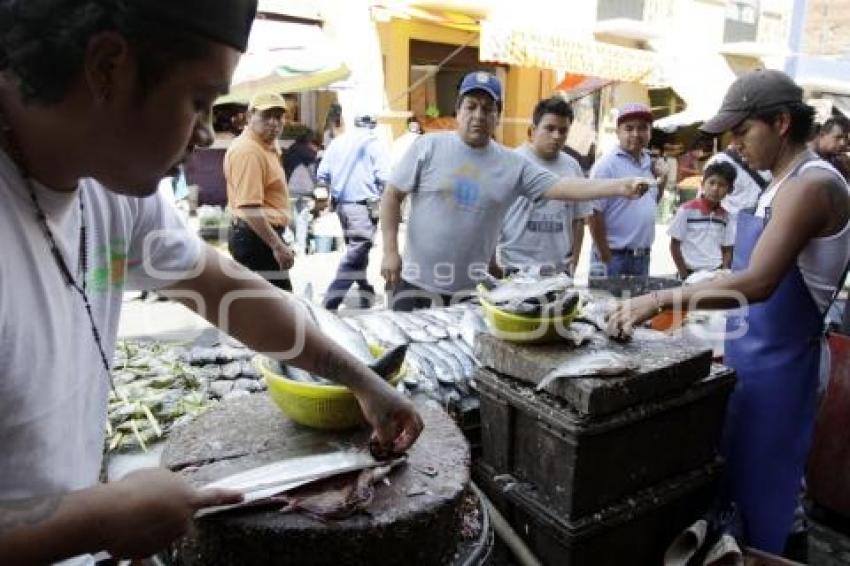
(470, 363)
(356, 323)
(433, 327)
(334, 328)
(449, 369)
(414, 330)
(531, 295)
(446, 316)
(589, 364)
(304, 376)
(421, 364)
(580, 332)
(442, 371)
(383, 328)
(472, 324)
(466, 366)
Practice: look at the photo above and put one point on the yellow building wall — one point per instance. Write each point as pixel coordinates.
(523, 86)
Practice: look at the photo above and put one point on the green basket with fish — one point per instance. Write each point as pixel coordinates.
(531, 312)
(316, 405)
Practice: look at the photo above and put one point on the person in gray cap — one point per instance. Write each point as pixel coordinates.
(461, 184)
(92, 115)
(355, 167)
(791, 255)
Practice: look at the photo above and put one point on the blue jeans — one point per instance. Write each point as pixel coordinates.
(359, 231)
(619, 264)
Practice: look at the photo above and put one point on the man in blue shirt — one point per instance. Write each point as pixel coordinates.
(355, 167)
(623, 230)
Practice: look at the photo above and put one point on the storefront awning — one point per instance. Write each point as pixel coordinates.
(701, 79)
(502, 43)
(285, 57)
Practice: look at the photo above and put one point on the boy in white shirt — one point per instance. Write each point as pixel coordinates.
(701, 234)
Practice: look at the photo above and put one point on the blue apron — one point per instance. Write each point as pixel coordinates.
(772, 410)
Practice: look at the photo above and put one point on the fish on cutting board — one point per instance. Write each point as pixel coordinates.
(339, 497)
(590, 364)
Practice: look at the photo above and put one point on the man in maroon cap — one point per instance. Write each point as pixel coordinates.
(623, 230)
(92, 115)
(791, 255)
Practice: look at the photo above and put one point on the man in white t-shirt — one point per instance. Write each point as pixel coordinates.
(545, 236)
(85, 136)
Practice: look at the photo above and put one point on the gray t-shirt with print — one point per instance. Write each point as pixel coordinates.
(538, 234)
(459, 197)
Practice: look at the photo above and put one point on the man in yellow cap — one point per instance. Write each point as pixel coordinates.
(257, 193)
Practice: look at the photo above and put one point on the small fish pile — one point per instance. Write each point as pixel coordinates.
(439, 347)
(154, 388)
(350, 338)
(159, 385)
(524, 295)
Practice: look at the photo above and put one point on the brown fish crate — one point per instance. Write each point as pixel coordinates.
(581, 464)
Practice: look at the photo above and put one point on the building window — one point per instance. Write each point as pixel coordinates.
(741, 21)
(619, 9)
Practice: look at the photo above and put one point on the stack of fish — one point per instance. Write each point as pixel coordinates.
(546, 297)
(349, 338)
(154, 389)
(439, 347)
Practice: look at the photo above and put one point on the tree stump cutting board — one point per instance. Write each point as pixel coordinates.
(414, 520)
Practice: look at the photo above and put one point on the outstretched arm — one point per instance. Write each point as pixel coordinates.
(579, 188)
(800, 213)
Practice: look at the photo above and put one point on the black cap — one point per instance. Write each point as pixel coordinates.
(223, 21)
(754, 91)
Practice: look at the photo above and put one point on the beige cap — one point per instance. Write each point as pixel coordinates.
(266, 100)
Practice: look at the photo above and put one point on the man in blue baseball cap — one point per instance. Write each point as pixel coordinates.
(462, 184)
(92, 115)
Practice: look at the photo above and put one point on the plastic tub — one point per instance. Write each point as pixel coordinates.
(525, 329)
(327, 407)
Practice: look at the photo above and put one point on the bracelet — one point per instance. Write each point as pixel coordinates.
(658, 308)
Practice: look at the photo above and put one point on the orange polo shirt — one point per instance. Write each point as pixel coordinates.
(255, 177)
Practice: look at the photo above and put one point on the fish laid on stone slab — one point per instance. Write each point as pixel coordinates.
(590, 364)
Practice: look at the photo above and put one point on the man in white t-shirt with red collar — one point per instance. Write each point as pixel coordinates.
(701, 235)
